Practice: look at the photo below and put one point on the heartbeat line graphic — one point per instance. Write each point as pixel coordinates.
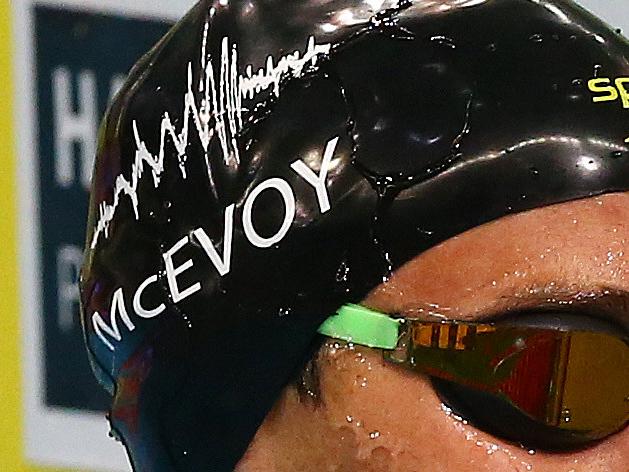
(218, 116)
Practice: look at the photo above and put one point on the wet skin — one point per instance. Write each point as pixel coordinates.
(376, 417)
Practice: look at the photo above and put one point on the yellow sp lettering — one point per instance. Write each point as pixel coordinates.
(621, 85)
(608, 90)
(602, 86)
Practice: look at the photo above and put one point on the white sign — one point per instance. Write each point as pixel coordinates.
(59, 103)
(614, 12)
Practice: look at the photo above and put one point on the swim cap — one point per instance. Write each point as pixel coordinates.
(268, 162)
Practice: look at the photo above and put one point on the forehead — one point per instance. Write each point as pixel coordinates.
(570, 247)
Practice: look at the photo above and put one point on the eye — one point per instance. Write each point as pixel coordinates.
(579, 383)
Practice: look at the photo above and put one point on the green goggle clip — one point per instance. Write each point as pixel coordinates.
(359, 325)
(574, 380)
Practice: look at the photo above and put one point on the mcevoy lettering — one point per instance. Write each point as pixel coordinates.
(223, 89)
(221, 261)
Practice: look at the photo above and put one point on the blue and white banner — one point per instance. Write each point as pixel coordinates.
(71, 58)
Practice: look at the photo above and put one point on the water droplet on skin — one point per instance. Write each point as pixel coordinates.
(374, 435)
(531, 452)
(349, 419)
(490, 447)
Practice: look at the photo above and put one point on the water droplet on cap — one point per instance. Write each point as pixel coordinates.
(342, 272)
(444, 40)
(536, 38)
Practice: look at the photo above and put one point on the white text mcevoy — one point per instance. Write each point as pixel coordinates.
(221, 261)
(222, 99)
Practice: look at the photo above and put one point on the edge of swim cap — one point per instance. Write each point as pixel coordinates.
(360, 325)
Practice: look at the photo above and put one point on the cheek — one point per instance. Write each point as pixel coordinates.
(395, 415)
(384, 419)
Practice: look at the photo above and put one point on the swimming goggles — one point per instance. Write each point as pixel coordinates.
(572, 380)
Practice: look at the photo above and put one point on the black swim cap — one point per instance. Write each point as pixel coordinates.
(270, 161)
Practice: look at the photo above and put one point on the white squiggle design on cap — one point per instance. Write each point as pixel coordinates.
(223, 103)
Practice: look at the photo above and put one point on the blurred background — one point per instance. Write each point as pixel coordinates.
(61, 61)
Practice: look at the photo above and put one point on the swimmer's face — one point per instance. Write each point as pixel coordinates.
(373, 416)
